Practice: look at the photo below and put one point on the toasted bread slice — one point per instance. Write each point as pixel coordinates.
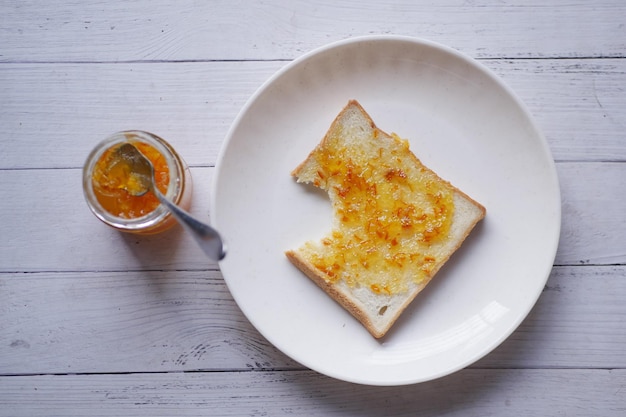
(395, 221)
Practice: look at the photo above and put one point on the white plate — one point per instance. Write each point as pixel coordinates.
(462, 122)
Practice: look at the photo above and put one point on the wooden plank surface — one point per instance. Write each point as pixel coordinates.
(93, 322)
(119, 30)
(72, 107)
(53, 240)
(578, 104)
(469, 393)
(173, 321)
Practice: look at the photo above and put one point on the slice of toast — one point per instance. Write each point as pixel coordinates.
(395, 221)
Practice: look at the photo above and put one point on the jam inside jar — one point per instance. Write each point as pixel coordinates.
(106, 179)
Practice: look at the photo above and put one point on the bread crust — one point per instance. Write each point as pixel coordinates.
(351, 103)
(333, 291)
(344, 299)
(342, 293)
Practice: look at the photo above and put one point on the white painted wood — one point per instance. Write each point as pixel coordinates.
(164, 321)
(70, 107)
(579, 104)
(120, 30)
(47, 226)
(170, 321)
(593, 221)
(469, 393)
(52, 229)
(579, 319)
(64, 110)
(93, 322)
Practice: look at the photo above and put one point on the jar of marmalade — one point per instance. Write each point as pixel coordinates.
(106, 179)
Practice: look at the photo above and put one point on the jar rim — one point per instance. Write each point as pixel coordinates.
(174, 189)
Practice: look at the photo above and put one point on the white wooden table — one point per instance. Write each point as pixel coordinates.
(93, 322)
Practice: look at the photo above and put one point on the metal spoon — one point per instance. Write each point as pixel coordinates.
(143, 171)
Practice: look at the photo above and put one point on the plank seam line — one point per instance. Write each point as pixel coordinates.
(139, 61)
(70, 168)
(271, 370)
(286, 60)
(212, 166)
(121, 271)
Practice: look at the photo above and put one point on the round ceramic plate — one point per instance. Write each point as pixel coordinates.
(462, 122)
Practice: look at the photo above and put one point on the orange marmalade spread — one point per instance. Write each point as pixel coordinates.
(112, 176)
(388, 215)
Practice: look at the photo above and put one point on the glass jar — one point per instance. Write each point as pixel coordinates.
(152, 218)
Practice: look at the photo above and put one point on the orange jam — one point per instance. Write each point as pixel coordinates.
(389, 216)
(112, 176)
(107, 175)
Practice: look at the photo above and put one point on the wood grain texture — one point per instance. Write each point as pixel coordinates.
(589, 234)
(52, 240)
(469, 393)
(187, 321)
(579, 105)
(54, 230)
(72, 107)
(258, 30)
(577, 320)
(97, 323)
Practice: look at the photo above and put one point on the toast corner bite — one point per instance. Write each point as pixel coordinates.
(395, 221)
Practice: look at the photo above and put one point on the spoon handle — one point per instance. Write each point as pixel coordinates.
(207, 237)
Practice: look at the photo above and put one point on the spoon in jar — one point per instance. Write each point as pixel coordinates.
(142, 172)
